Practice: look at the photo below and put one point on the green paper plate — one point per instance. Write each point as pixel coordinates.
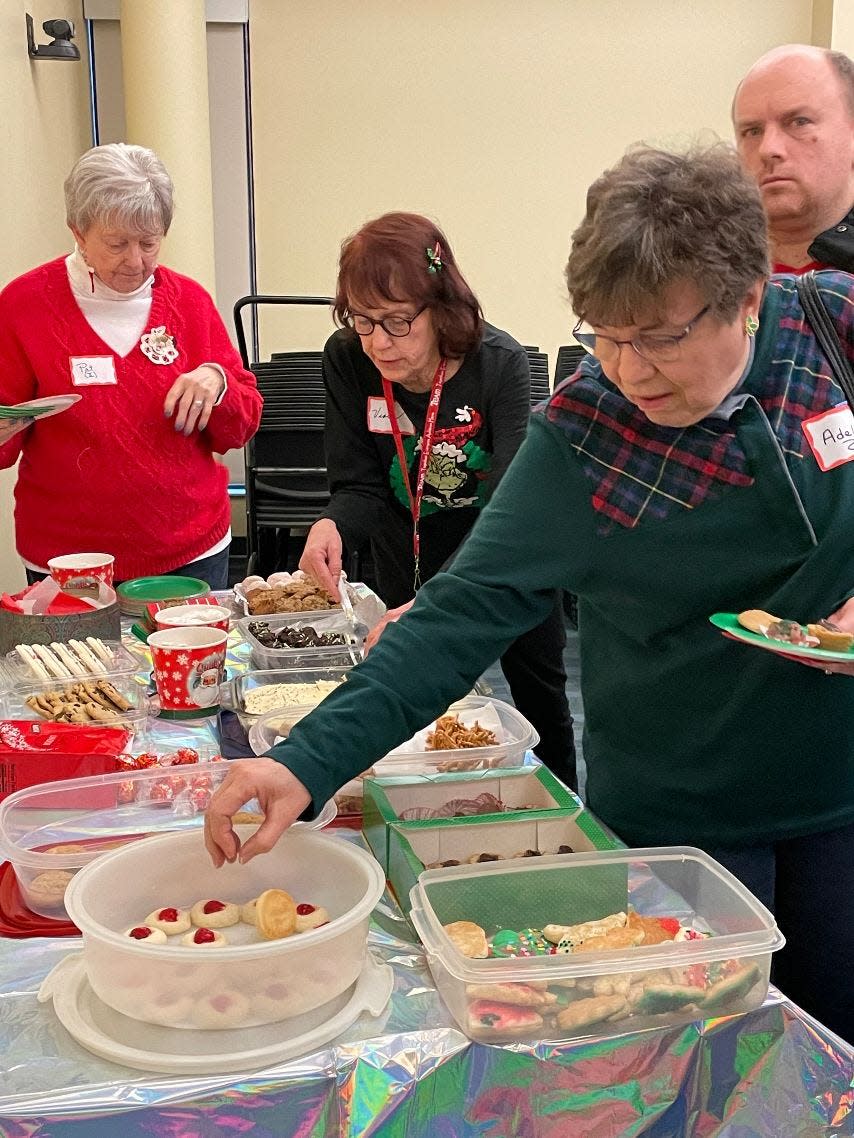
(728, 622)
(141, 591)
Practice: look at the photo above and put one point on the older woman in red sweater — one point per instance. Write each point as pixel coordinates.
(129, 468)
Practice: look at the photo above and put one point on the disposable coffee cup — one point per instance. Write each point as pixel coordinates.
(189, 666)
(82, 573)
(193, 616)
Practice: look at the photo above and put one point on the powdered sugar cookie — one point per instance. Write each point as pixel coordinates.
(222, 1010)
(170, 920)
(248, 912)
(276, 914)
(311, 917)
(213, 914)
(204, 938)
(147, 933)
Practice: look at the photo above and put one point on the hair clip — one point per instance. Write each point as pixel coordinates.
(434, 259)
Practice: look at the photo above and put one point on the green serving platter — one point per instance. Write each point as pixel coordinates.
(141, 591)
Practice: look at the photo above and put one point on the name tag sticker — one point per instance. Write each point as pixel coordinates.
(87, 371)
(831, 436)
(379, 422)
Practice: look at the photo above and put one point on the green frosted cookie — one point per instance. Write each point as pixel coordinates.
(658, 998)
(734, 987)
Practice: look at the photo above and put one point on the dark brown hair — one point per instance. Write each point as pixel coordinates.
(386, 260)
(660, 217)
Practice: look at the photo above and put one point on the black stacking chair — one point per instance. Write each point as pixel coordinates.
(539, 364)
(568, 359)
(286, 483)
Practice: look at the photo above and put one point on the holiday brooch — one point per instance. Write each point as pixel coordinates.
(159, 346)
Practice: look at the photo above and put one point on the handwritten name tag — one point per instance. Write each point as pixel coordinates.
(379, 422)
(831, 436)
(90, 370)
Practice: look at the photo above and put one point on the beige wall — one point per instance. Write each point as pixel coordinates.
(491, 116)
(45, 127)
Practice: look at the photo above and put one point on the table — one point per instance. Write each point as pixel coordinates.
(413, 1074)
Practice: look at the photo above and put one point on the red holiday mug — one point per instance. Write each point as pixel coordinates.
(189, 666)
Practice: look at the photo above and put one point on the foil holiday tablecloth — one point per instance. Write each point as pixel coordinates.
(774, 1072)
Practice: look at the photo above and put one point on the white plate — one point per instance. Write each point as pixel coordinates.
(178, 1051)
(43, 407)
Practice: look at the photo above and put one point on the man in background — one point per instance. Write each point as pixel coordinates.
(793, 115)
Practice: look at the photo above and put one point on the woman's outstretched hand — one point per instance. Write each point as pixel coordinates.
(280, 794)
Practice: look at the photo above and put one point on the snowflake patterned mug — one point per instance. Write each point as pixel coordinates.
(82, 572)
(189, 666)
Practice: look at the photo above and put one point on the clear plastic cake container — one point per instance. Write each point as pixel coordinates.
(237, 984)
(564, 996)
(233, 694)
(126, 684)
(334, 620)
(55, 828)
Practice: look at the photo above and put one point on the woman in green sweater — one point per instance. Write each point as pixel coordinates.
(672, 477)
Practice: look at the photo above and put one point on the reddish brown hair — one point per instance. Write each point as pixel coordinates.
(386, 260)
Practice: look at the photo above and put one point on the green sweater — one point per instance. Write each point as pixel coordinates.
(689, 737)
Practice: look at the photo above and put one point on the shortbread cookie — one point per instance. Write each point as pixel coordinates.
(212, 914)
(147, 933)
(170, 920)
(168, 1006)
(48, 888)
(311, 917)
(755, 620)
(249, 912)
(276, 914)
(468, 939)
(831, 638)
(517, 995)
(222, 1010)
(274, 1001)
(611, 938)
(203, 938)
(592, 1009)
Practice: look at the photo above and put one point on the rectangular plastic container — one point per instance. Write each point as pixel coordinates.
(55, 828)
(264, 657)
(15, 706)
(19, 676)
(515, 737)
(233, 694)
(572, 994)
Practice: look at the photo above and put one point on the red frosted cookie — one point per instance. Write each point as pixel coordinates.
(487, 1017)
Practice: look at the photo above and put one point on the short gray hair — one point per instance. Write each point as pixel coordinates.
(659, 217)
(119, 184)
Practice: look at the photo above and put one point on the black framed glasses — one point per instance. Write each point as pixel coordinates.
(654, 349)
(394, 325)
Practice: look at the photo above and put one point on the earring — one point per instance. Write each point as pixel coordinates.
(751, 325)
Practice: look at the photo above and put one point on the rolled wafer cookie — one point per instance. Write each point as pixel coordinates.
(73, 664)
(32, 661)
(52, 662)
(100, 649)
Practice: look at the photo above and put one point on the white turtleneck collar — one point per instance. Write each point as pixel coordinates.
(119, 318)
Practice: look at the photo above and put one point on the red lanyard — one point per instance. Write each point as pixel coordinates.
(426, 447)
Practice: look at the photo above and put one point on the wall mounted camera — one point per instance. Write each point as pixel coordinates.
(60, 46)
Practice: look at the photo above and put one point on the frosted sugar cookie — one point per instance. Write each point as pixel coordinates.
(212, 914)
(204, 938)
(170, 920)
(276, 914)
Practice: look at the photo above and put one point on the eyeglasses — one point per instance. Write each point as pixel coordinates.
(655, 349)
(394, 325)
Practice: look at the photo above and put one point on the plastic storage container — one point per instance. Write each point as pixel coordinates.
(596, 992)
(238, 984)
(265, 657)
(233, 694)
(515, 733)
(20, 676)
(126, 685)
(50, 831)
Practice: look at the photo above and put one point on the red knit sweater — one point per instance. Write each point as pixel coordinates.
(111, 474)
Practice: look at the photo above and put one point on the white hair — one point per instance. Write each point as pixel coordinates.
(119, 184)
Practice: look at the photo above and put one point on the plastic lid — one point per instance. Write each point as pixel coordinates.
(147, 1047)
(65, 825)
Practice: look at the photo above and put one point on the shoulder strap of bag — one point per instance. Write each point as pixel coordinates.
(826, 334)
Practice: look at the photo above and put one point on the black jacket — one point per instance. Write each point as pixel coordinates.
(835, 247)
